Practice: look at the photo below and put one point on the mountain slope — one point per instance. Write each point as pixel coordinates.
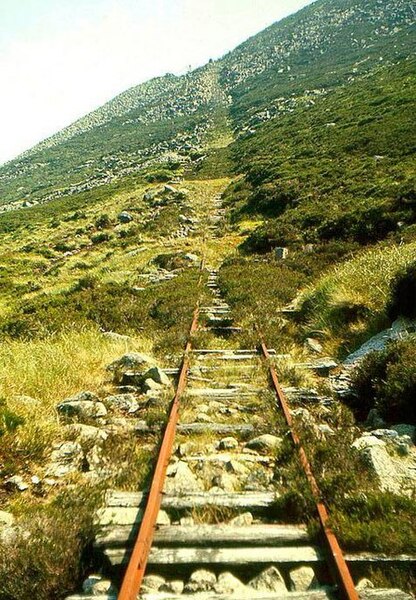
(329, 43)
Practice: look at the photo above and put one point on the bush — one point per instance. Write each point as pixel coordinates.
(49, 563)
(103, 222)
(386, 380)
(403, 294)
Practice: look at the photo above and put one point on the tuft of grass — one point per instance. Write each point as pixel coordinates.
(350, 302)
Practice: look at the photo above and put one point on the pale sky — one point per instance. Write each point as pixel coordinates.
(60, 59)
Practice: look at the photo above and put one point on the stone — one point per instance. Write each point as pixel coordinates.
(228, 443)
(152, 583)
(193, 258)
(180, 479)
(96, 585)
(313, 345)
(158, 376)
(150, 385)
(203, 418)
(281, 253)
(302, 579)
(187, 521)
(228, 584)
(67, 458)
(173, 587)
(233, 466)
(186, 449)
(269, 580)
(404, 429)
(163, 518)
(117, 337)
(6, 519)
(86, 433)
(201, 580)
(130, 362)
(364, 584)
(226, 482)
(125, 217)
(124, 402)
(243, 520)
(264, 443)
(84, 405)
(384, 434)
(16, 482)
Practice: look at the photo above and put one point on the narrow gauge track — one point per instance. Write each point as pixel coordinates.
(221, 539)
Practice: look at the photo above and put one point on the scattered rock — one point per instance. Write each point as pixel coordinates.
(264, 443)
(313, 345)
(84, 405)
(96, 585)
(124, 402)
(403, 429)
(150, 385)
(269, 580)
(125, 217)
(130, 362)
(163, 518)
(86, 433)
(180, 479)
(157, 375)
(201, 581)
(228, 443)
(233, 466)
(302, 579)
(152, 583)
(117, 337)
(6, 519)
(16, 482)
(226, 482)
(243, 520)
(67, 458)
(186, 449)
(193, 258)
(173, 587)
(364, 584)
(228, 584)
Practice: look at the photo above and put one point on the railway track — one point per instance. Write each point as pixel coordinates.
(208, 525)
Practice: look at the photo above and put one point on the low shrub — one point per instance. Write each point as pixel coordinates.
(47, 559)
(386, 380)
(402, 300)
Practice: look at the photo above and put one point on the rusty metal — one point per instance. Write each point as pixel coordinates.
(339, 566)
(138, 561)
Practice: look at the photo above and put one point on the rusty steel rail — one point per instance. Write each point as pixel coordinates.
(340, 568)
(138, 561)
